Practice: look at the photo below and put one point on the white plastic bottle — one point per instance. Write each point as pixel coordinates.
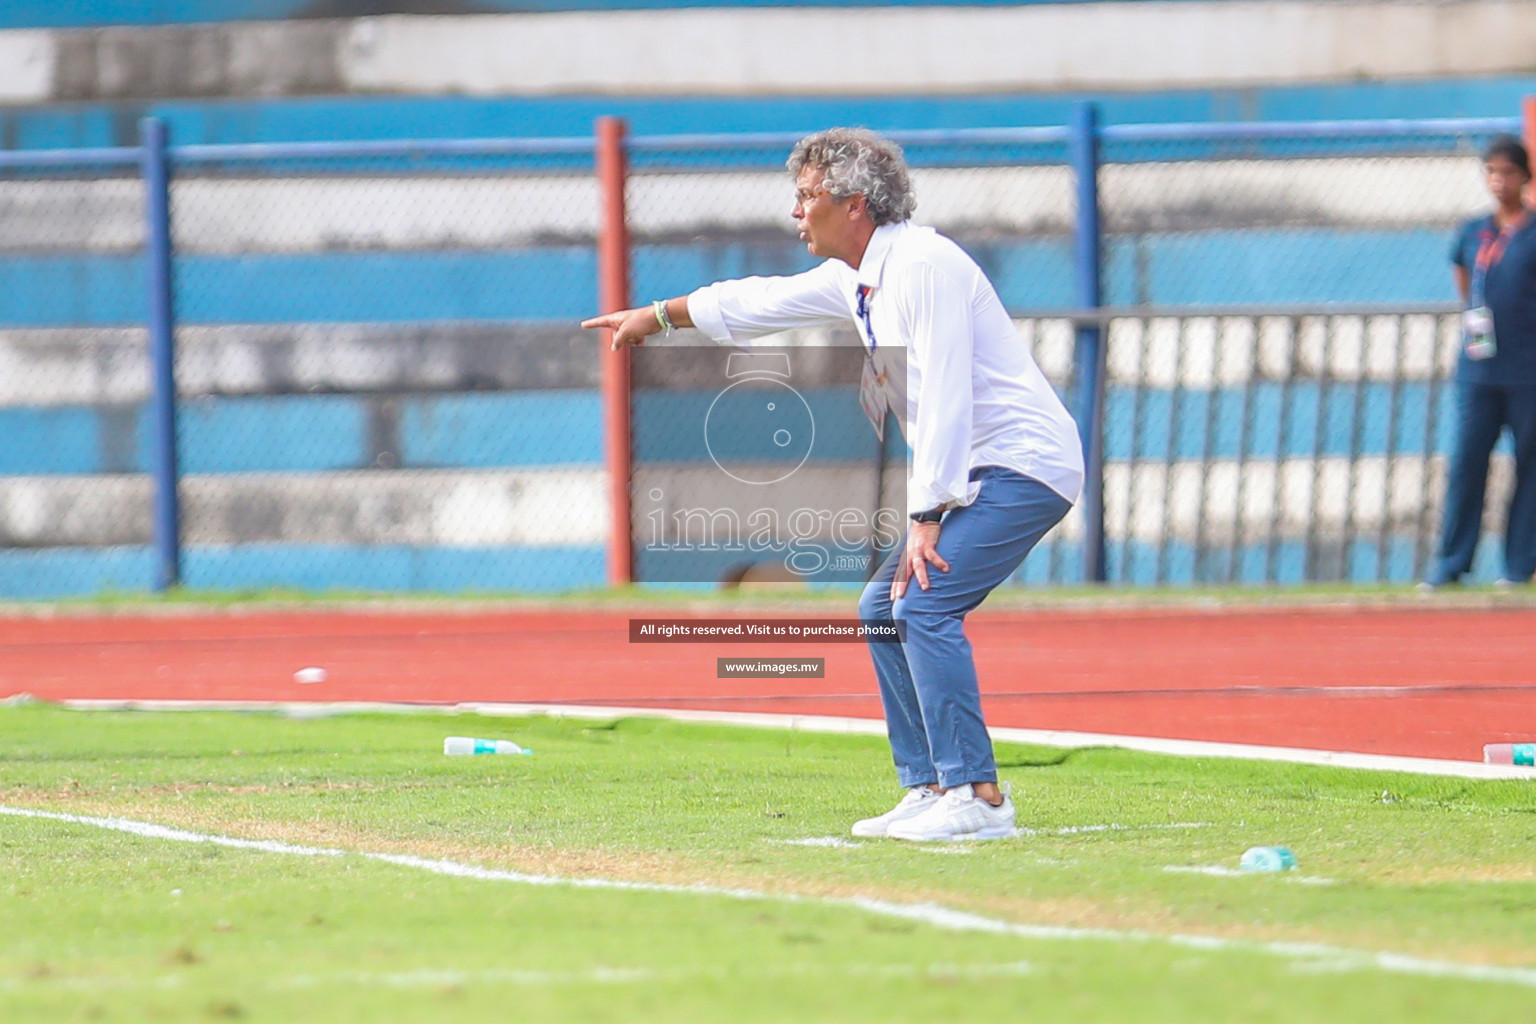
(457, 745)
(1509, 753)
(1268, 858)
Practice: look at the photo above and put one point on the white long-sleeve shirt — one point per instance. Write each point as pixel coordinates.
(974, 394)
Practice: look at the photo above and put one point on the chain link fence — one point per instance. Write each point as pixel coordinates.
(1276, 447)
(1285, 214)
(1299, 436)
(382, 384)
(74, 376)
(381, 381)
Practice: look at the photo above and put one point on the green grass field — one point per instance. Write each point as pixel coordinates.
(778, 596)
(1414, 900)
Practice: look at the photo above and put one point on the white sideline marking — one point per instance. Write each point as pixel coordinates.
(441, 978)
(857, 726)
(152, 831)
(1208, 869)
(1333, 957)
(444, 977)
(1221, 871)
(430, 977)
(1073, 830)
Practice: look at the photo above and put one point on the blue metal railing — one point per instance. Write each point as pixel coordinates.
(124, 156)
(577, 146)
(1257, 130)
(263, 152)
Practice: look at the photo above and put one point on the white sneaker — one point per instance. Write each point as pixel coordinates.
(958, 814)
(917, 800)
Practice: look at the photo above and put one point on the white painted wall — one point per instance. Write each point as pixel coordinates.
(906, 50)
(800, 51)
(229, 215)
(26, 65)
(565, 505)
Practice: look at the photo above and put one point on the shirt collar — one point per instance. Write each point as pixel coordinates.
(879, 247)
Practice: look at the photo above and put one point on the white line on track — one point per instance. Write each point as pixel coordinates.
(1308, 955)
(857, 726)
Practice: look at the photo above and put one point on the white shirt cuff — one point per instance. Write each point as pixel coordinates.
(704, 311)
(921, 499)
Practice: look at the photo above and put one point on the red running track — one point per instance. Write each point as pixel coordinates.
(1427, 683)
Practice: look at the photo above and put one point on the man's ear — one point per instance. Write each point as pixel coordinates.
(856, 205)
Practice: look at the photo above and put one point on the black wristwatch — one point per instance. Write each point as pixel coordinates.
(933, 515)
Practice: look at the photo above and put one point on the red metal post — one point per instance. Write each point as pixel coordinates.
(612, 296)
(1528, 111)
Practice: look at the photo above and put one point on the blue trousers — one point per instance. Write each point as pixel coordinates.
(928, 684)
(1482, 413)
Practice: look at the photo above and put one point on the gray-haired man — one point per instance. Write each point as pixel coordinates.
(996, 460)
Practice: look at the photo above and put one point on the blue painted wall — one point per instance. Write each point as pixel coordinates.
(1283, 422)
(309, 434)
(381, 117)
(559, 283)
(61, 572)
(321, 433)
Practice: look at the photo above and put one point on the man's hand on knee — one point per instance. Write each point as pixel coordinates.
(922, 548)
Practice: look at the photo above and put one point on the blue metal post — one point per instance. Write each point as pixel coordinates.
(1089, 355)
(162, 351)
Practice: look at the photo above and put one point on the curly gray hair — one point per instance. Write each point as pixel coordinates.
(856, 161)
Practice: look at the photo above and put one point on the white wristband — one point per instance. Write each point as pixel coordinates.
(660, 309)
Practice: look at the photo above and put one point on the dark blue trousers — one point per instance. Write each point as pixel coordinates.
(1482, 413)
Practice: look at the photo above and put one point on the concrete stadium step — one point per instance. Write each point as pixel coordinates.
(337, 212)
(43, 367)
(109, 366)
(418, 507)
(943, 49)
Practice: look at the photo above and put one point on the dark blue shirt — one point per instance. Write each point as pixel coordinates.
(1510, 292)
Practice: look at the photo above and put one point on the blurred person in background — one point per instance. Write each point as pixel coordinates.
(996, 460)
(1494, 264)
